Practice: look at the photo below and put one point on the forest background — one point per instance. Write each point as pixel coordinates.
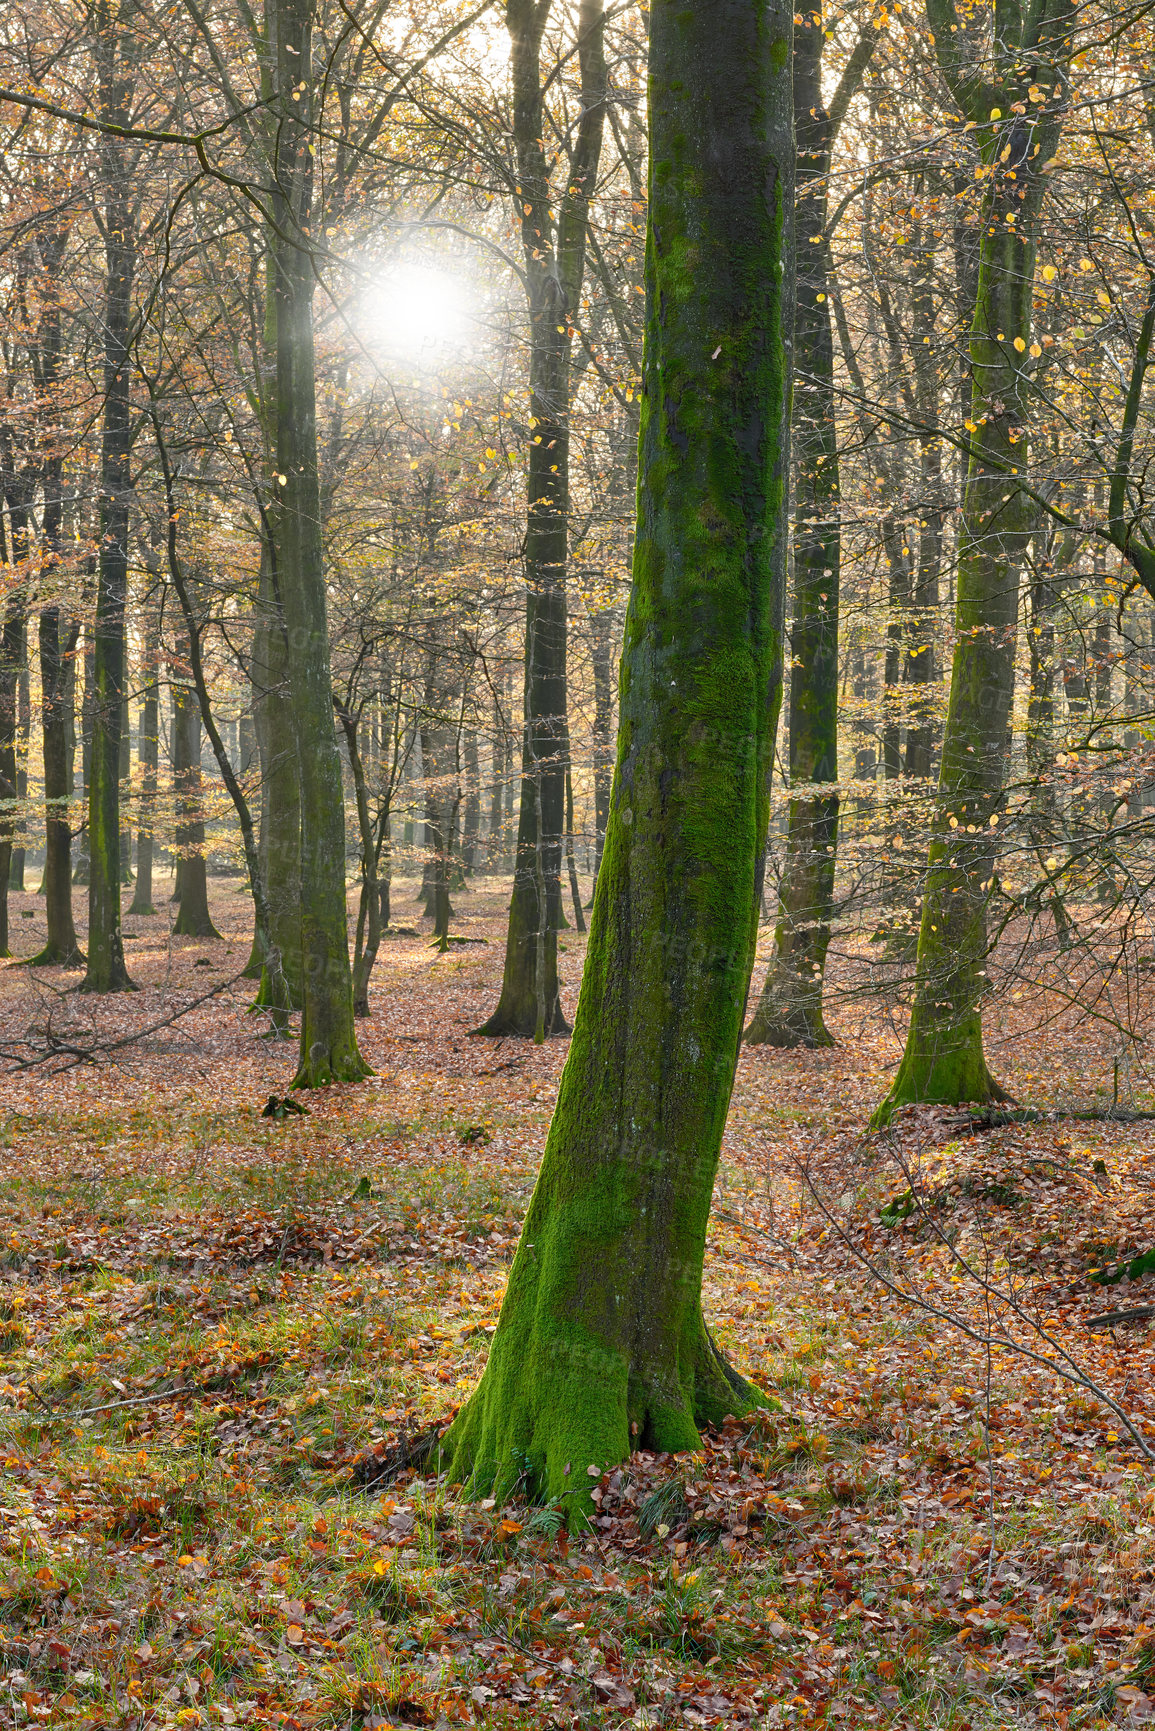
(322, 351)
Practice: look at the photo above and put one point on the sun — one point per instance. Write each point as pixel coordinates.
(418, 312)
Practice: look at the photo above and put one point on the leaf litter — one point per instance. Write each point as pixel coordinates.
(213, 1323)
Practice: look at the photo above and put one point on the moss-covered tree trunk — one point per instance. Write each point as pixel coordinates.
(602, 1343)
(106, 968)
(789, 1011)
(554, 248)
(1018, 133)
(329, 1050)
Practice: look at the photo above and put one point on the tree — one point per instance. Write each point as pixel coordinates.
(601, 1338)
(1017, 117)
(115, 50)
(329, 1050)
(789, 1012)
(554, 249)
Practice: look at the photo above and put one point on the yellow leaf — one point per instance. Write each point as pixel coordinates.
(1049, 273)
(1020, 344)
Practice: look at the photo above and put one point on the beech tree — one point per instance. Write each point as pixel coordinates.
(554, 249)
(789, 1011)
(601, 1340)
(1017, 115)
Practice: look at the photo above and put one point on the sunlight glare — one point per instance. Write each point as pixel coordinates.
(419, 312)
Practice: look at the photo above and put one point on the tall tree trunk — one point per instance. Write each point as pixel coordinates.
(23, 735)
(61, 946)
(554, 252)
(106, 968)
(471, 817)
(81, 872)
(602, 1343)
(601, 649)
(328, 1050)
(149, 753)
(125, 769)
(789, 1012)
(944, 1059)
(194, 919)
(10, 635)
(280, 825)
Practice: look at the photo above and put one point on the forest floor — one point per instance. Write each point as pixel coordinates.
(208, 1318)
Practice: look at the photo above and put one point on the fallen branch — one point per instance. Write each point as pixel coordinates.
(1108, 1318)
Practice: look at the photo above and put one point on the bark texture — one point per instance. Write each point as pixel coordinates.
(944, 1059)
(602, 1339)
(554, 249)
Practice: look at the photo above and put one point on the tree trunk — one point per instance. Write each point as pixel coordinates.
(471, 819)
(328, 1050)
(601, 650)
(194, 919)
(62, 946)
(149, 753)
(554, 253)
(602, 1342)
(81, 873)
(23, 733)
(280, 826)
(9, 675)
(944, 1059)
(125, 790)
(789, 1012)
(106, 969)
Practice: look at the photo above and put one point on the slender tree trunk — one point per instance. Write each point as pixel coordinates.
(944, 1059)
(194, 919)
(471, 818)
(601, 648)
(280, 825)
(571, 863)
(602, 1344)
(23, 735)
(10, 635)
(149, 752)
(328, 1037)
(62, 946)
(789, 1012)
(81, 872)
(554, 253)
(106, 968)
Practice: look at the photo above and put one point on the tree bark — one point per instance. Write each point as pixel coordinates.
(328, 1051)
(602, 1341)
(944, 1059)
(62, 946)
(149, 754)
(789, 1012)
(194, 919)
(106, 967)
(554, 252)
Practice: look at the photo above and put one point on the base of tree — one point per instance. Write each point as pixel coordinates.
(195, 926)
(56, 956)
(142, 912)
(510, 1024)
(946, 1072)
(321, 1066)
(556, 1407)
(789, 1024)
(117, 981)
